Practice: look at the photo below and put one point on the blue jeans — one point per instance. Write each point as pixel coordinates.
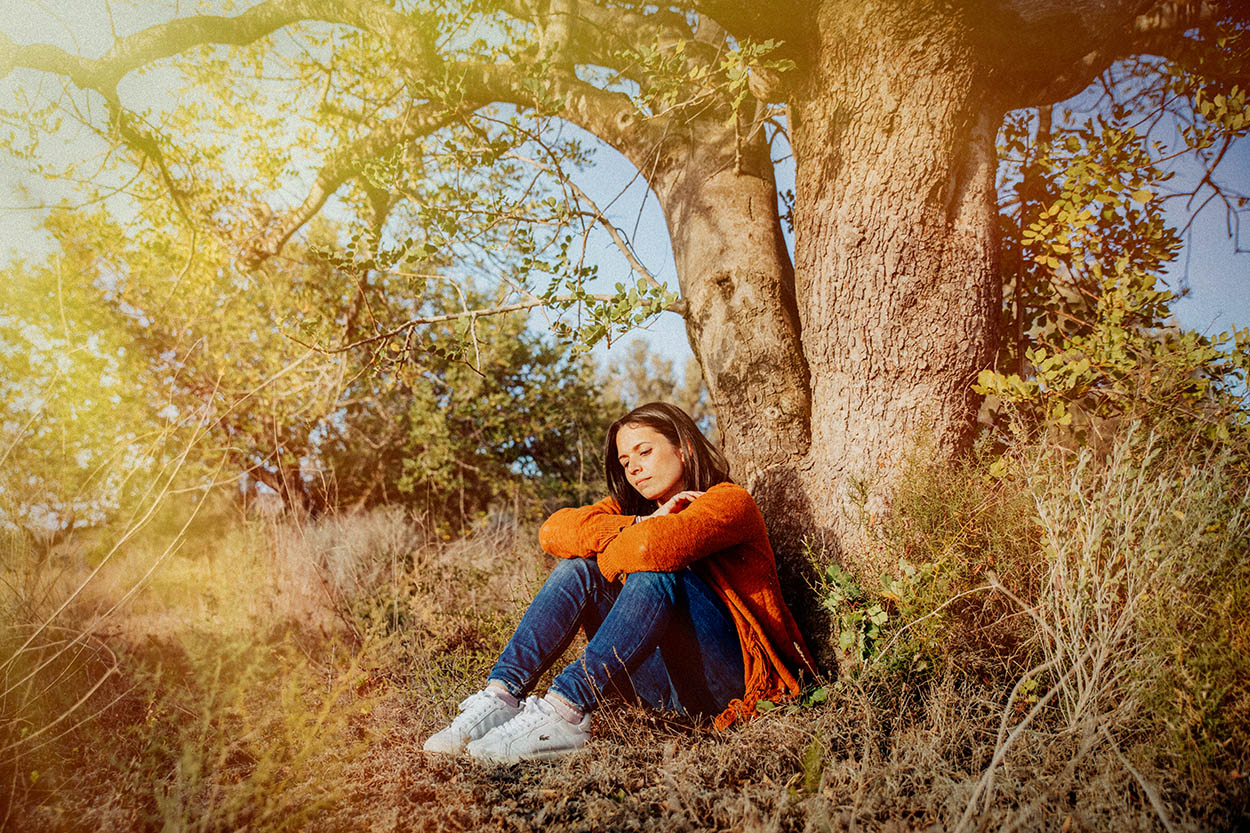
(665, 638)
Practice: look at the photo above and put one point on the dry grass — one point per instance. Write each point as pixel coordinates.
(285, 677)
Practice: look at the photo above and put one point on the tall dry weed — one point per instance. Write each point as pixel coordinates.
(1092, 603)
(1144, 548)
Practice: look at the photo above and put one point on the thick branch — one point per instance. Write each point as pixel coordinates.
(1170, 18)
(1049, 50)
(784, 20)
(1159, 33)
(102, 75)
(597, 32)
(611, 116)
(589, 34)
(167, 39)
(611, 30)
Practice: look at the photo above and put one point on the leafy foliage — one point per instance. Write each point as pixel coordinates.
(428, 179)
(1086, 309)
(448, 434)
(76, 431)
(859, 618)
(445, 419)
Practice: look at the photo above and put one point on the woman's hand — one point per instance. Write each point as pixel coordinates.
(675, 504)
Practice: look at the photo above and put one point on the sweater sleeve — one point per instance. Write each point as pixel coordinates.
(583, 532)
(723, 517)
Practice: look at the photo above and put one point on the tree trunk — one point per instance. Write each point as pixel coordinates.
(897, 283)
(720, 202)
(896, 248)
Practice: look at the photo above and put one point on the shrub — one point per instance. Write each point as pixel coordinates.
(1097, 597)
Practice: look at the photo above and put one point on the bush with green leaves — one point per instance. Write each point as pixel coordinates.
(306, 377)
(506, 417)
(1088, 338)
(950, 526)
(1103, 592)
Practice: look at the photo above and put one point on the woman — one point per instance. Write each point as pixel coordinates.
(674, 582)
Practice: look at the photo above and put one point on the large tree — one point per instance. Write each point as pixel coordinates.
(824, 370)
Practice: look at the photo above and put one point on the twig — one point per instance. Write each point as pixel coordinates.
(413, 323)
(1156, 803)
(884, 650)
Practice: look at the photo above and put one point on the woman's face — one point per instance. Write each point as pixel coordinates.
(652, 464)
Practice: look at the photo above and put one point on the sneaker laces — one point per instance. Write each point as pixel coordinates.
(533, 711)
(474, 706)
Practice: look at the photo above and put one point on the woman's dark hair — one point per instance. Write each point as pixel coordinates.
(704, 465)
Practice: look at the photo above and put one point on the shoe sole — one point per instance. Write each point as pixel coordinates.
(551, 755)
(440, 751)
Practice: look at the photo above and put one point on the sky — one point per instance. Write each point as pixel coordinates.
(1217, 277)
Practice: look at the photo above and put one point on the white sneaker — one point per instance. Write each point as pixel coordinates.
(536, 734)
(479, 713)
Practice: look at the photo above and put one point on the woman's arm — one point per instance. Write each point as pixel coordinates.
(722, 518)
(583, 532)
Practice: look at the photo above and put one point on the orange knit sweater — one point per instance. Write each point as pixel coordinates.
(721, 535)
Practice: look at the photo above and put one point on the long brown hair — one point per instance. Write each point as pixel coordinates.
(703, 464)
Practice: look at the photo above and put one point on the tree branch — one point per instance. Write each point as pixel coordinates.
(154, 43)
(595, 34)
(1164, 33)
(1069, 44)
(168, 39)
(443, 318)
(785, 20)
(1168, 19)
(622, 244)
(612, 116)
(344, 165)
(582, 32)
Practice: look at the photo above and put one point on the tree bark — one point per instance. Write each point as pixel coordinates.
(896, 255)
(720, 202)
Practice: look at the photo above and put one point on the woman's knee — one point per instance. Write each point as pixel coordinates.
(659, 584)
(583, 572)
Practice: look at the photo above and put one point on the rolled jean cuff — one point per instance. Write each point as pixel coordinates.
(573, 700)
(511, 688)
(565, 706)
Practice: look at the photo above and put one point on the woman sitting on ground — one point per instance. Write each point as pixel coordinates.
(675, 584)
